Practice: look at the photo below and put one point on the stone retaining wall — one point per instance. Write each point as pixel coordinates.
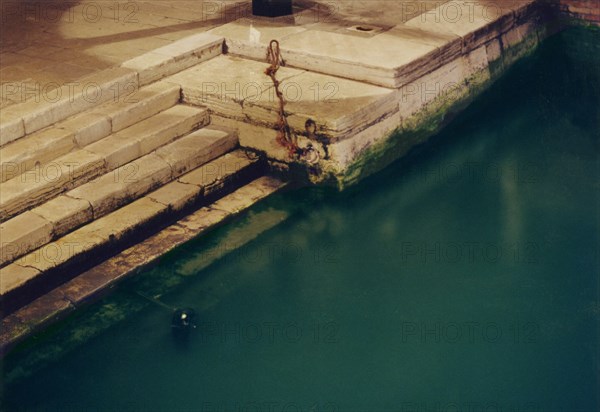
(586, 10)
(431, 101)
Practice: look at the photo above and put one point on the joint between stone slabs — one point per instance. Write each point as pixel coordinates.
(44, 309)
(25, 266)
(66, 194)
(156, 201)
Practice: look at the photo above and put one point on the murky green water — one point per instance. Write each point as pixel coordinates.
(465, 278)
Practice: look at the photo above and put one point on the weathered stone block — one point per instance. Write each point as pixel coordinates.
(35, 150)
(387, 59)
(205, 144)
(247, 195)
(175, 57)
(116, 150)
(78, 96)
(203, 219)
(225, 82)
(338, 107)
(11, 129)
(140, 105)
(57, 253)
(216, 174)
(494, 50)
(22, 234)
(176, 195)
(250, 38)
(33, 189)
(14, 275)
(123, 221)
(112, 190)
(87, 128)
(65, 214)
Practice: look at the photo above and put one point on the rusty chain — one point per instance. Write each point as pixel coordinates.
(284, 135)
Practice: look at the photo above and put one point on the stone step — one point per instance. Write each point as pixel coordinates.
(51, 265)
(175, 57)
(381, 56)
(43, 183)
(239, 89)
(84, 129)
(94, 199)
(93, 284)
(47, 107)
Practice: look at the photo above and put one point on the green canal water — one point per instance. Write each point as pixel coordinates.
(462, 278)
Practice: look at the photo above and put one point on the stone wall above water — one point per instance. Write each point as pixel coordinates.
(586, 10)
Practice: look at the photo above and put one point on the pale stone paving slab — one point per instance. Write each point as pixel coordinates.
(175, 57)
(204, 181)
(65, 214)
(140, 104)
(339, 107)
(110, 191)
(147, 135)
(14, 275)
(23, 234)
(476, 22)
(40, 111)
(226, 82)
(250, 38)
(12, 127)
(93, 237)
(214, 175)
(380, 59)
(32, 189)
(40, 147)
(247, 195)
(204, 145)
(56, 253)
(176, 195)
(182, 119)
(87, 128)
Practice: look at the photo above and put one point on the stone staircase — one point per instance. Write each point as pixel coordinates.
(81, 185)
(92, 191)
(161, 161)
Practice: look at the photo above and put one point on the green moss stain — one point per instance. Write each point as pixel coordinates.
(428, 121)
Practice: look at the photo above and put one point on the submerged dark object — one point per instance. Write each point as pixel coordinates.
(182, 321)
(271, 8)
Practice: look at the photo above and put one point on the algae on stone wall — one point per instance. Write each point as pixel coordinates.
(429, 120)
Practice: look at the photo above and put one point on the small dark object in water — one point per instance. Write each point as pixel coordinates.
(183, 321)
